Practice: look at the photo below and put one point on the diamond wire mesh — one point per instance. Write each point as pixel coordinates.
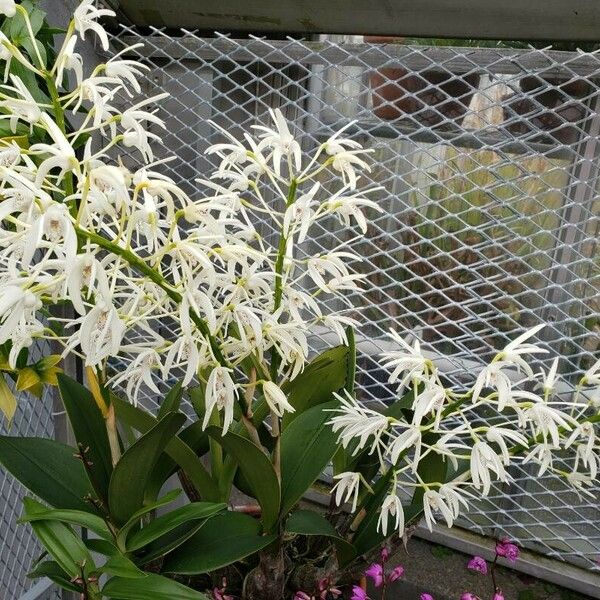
(489, 162)
(19, 547)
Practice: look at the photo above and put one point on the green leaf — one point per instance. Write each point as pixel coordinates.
(168, 542)
(165, 523)
(72, 517)
(120, 566)
(48, 469)
(137, 515)
(127, 489)
(432, 468)
(193, 436)
(151, 586)
(172, 400)
(308, 522)
(17, 26)
(307, 445)
(177, 449)
(257, 471)
(62, 544)
(27, 44)
(223, 540)
(90, 432)
(52, 570)
(323, 376)
(101, 546)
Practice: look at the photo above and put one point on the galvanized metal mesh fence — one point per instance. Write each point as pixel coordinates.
(19, 547)
(489, 160)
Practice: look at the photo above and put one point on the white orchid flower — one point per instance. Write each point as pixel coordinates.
(220, 393)
(85, 19)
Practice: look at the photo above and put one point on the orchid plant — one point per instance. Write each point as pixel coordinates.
(95, 256)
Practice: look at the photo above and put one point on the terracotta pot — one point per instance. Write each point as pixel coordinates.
(432, 96)
(565, 109)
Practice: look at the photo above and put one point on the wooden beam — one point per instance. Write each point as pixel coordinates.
(469, 19)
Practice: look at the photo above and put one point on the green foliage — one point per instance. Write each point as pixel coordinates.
(177, 449)
(90, 432)
(133, 472)
(308, 522)
(53, 571)
(323, 376)
(48, 469)
(166, 523)
(307, 446)
(257, 471)
(66, 548)
(223, 540)
(150, 586)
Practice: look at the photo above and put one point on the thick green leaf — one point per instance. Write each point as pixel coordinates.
(127, 489)
(257, 470)
(308, 522)
(138, 514)
(62, 544)
(193, 436)
(48, 469)
(223, 540)
(72, 517)
(324, 375)
(168, 542)
(90, 432)
(52, 570)
(307, 445)
(16, 27)
(165, 523)
(101, 546)
(177, 449)
(120, 566)
(151, 586)
(172, 400)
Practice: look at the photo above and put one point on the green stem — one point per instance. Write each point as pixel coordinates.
(140, 265)
(216, 451)
(278, 294)
(59, 115)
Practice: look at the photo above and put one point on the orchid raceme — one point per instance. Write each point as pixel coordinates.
(435, 424)
(128, 248)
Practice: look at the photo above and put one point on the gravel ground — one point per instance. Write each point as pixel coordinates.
(443, 573)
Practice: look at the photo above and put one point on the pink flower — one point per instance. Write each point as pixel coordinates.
(385, 554)
(469, 596)
(375, 572)
(478, 564)
(302, 596)
(219, 594)
(396, 573)
(508, 550)
(498, 595)
(358, 594)
(426, 597)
